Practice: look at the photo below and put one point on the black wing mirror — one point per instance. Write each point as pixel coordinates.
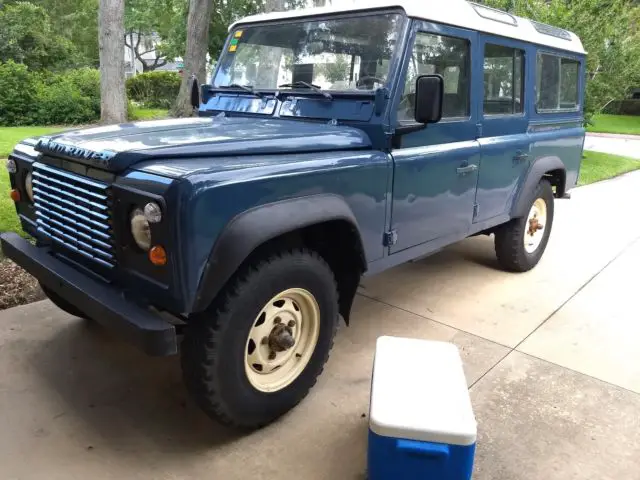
(195, 92)
(429, 95)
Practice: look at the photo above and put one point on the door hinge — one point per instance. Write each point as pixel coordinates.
(476, 209)
(478, 130)
(390, 238)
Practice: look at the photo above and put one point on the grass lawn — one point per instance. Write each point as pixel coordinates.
(9, 136)
(626, 124)
(600, 166)
(147, 113)
(8, 217)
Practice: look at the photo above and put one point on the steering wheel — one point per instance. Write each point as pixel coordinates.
(370, 79)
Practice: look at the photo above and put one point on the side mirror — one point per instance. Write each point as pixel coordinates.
(429, 95)
(195, 92)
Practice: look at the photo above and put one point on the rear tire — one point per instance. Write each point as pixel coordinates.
(61, 303)
(520, 243)
(233, 377)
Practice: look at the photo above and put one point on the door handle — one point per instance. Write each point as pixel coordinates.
(520, 157)
(466, 169)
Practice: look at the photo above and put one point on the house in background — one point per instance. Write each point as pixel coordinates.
(140, 55)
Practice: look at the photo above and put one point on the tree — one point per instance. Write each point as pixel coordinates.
(195, 57)
(149, 25)
(113, 98)
(27, 37)
(75, 21)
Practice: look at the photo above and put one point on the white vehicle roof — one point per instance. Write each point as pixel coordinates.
(458, 13)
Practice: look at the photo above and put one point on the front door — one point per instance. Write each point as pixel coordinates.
(504, 142)
(436, 168)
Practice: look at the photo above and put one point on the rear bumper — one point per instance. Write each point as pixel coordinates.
(101, 302)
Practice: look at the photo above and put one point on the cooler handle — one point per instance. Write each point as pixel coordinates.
(424, 449)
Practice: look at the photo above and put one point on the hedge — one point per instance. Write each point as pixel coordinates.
(624, 107)
(45, 98)
(18, 99)
(154, 89)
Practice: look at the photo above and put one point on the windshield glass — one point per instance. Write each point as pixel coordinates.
(337, 54)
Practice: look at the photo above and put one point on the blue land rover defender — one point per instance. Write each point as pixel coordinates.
(329, 144)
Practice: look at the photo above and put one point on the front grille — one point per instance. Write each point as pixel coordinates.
(75, 212)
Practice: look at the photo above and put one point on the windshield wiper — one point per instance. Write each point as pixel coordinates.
(245, 88)
(310, 86)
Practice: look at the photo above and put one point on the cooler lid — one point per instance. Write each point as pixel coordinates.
(419, 392)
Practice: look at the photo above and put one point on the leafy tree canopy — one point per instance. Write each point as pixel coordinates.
(28, 37)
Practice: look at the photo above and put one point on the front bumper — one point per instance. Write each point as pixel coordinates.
(101, 302)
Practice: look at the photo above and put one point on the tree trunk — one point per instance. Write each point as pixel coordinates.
(195, 57)
(113, 98)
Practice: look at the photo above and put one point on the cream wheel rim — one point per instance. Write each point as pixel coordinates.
(282, 340)
(535, 226)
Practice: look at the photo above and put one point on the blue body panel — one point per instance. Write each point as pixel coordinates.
(391, 458)
(431, 199)
(214, 137)
(218, 195)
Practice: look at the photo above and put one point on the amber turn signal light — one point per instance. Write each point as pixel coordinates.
(15, 195)
(158, 255)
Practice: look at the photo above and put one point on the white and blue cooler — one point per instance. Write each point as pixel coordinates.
(421, 423)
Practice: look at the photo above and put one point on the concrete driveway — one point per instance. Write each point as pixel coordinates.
(625, 145)
(551, 358)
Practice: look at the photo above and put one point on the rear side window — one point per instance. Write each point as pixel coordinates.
(503, 80)
(556, 83)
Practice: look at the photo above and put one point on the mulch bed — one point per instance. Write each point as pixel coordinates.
(17, 287)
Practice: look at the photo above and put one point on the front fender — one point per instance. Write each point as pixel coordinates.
(252, 228)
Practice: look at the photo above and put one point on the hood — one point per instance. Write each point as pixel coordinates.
(117, 147)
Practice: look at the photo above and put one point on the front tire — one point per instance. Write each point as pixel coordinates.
(258, 350)
(520, 243)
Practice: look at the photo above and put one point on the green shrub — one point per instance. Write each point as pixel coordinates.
(154, 89)
(46, 98)
(624, 107)
(62, 103)
(18, 97)
(87, 81)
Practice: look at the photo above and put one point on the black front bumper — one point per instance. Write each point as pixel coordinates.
(100, 301)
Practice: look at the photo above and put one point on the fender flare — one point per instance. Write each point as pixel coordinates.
(537, 170)
(248, 230)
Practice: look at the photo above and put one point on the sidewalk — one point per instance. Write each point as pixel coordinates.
(624, 145)
(623, 136)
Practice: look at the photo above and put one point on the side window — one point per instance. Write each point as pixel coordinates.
(446, 56)
(556, 83)
(503, 80)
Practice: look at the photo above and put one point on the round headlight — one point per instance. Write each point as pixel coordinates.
(28, 185)
(140, 229)
(152, 212)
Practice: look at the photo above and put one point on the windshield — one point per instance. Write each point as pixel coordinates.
(337, 54)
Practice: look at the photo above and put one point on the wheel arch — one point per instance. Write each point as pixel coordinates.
(551, 168)
(324, 223)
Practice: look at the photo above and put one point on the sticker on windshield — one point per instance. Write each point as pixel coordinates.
(234, 44)
(238, 34)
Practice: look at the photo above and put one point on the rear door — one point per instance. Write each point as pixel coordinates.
(504, 139)
(436, 168)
